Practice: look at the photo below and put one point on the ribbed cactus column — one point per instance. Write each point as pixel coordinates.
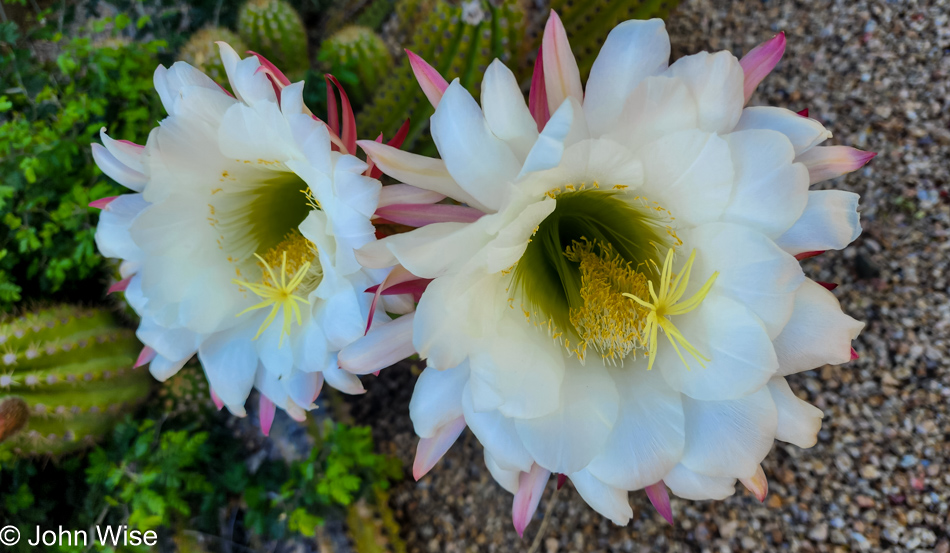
(65, 377)
(273, 28)
(202, 52)
(460, 40)
(359, 57)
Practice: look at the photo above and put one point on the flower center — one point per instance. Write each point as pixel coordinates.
(597, 249)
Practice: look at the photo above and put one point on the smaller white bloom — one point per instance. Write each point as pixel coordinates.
(238, 241)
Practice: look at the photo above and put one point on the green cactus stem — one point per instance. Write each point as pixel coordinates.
(359, 58)
(66, 377)
(273, 29)
(460, 41)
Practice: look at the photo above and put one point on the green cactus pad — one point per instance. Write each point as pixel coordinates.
(273, 29)
(359, 58)
(202, 52)
(460, 41)
(71, 369)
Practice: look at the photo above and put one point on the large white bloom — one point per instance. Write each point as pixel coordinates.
(238, 243)
(628, 306)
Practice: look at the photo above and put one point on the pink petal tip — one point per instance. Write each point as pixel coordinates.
(430, 450)
(758, 484)
(854, 355)
(432, 83)
(101, 203)
(217, 400)
(806, 255)
(530, 489)
(145, 357)
(828, 285)
(561, 480)
(760, 61)
(120, 286)
(803, 113)
(659, 496)
(267, 412)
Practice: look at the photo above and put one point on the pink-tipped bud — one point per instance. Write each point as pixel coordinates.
(430, 450)
(660, 498)
(760, 61)
(758, 484)
(828, 162)
(530, 489)
(266, 414)
(432, 83)
(101, 203)
(145, 357)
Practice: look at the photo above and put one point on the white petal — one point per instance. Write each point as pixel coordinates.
(505, 109)
(830, 222)
(248, 84)
(512, 241)
(716, 82)
(522, 366)
(633, 51)
(173, 343)
(609, 501)
(112, 232)
(689, 173)
(771, 191)
(818, 333)
(690, 485)
(384, 345)
(258, 134)
(562, 78)
(549, 147)
(752, 270)
(428, 251)
(303, 387)
(437, 399)
(804, 133)
(116, 170)
(657, 107)
(798, 421)
(127, 153)
(648, 439)
(742, 357)
(276, 355)
(163, 368)
(171, 82)
(230, 361)
(565, 441)
(341, 380)
(498, 435)
(729, 438)
(419, 171)
(482, 164)
(507, 479)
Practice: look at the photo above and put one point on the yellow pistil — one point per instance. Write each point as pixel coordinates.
(668, 304)
(278, 293)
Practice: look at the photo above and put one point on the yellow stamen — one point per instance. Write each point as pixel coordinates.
(667, 304)
(278, 293)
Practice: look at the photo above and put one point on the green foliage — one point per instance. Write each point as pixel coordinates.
(375, 13)
(341, 467)
(588, 22)
(50, 113)
(273, 28)
(458, 41)
(202, 52)
(66, 375)
(359, 58)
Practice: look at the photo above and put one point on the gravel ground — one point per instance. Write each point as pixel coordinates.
(876, 73)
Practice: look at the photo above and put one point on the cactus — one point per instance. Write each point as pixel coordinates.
(202, 52)
(359, 58)
(460, 41)
(273, 28)
(375, 14)
(186, 393)
(66, 373)
(588, 22)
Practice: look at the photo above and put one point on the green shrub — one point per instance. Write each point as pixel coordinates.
(50, 113)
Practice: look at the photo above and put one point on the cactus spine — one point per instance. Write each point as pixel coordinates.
(460, 41)
(273, 28)
(359, 58)
(65, 376)
(202, 52)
